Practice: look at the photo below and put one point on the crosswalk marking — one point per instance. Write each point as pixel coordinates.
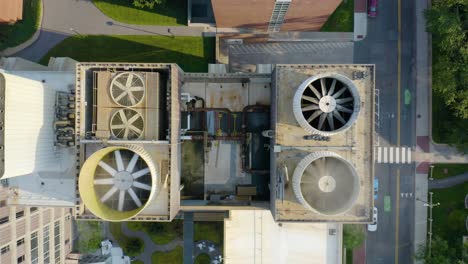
(393, 155)
(390, 154)
(385, 155)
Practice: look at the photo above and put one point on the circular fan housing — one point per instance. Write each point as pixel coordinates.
(117, 183)
(127, 89)
(326, 104)
(127, 124)
(326, 183)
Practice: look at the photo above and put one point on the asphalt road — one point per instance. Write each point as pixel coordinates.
(393, 240)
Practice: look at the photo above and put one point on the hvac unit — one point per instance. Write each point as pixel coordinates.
(117, 183)
(326, 104)
(326, 183)
(128, 105)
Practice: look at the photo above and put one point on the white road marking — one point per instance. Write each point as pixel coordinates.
(403, 154)
(385, 154)
(397, 155)
(409, 155)
(390, 154)
(379, 154)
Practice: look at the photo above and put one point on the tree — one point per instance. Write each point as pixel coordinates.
(147, 3)
(133, 246)
(353, 236)
(440, 253)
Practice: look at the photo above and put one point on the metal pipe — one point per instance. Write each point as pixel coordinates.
(111, 141)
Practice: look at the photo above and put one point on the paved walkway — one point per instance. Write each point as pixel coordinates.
(150, 246)
(188, 238)
(448, 182)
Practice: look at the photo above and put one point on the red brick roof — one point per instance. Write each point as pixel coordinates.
(11, 11)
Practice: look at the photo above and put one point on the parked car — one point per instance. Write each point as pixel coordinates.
(373, 227)
(372, 8)
(376, 188)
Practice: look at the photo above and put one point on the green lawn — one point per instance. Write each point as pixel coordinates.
(171, 13)
(191, 53)
(213, 231)
(138, 262)
(449, 217)
(13, 35)
(203, 259)
(349, 256)
(90, 236)
(342, 20)
(161, 233)
(452, 170)
(173, 257)
(132, 246)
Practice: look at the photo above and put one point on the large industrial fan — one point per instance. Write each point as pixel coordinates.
(127, 124)
(326, 104)
(326, 183)
(127, 89)
(116, 183)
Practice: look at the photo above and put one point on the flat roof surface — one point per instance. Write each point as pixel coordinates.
(252, 236)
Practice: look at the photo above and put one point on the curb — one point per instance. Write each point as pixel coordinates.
(12, 50)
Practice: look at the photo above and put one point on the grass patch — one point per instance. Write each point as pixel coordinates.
(132, 246)
(161, 233)
(171, 13)
(89, 236)
(342, 20)
(21, 31)
(138, 262)
(174, 257)
(203, 259)
(452, 170)
(212, 231)
(349, 256)
(192, 54)
(449, 217)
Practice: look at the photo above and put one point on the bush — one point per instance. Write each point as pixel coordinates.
(133, 246)
(353, 236)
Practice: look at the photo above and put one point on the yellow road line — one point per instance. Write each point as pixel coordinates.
(397, 193)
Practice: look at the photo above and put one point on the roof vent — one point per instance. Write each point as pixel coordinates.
(326, 104)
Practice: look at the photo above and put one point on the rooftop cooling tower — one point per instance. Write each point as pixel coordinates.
(326, 104)
(127, 124)
(326, 183)
(116, 183)
(127, 89)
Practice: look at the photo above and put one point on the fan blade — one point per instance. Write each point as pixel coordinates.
(343, 109)
(133, 161)
(321, 120)
(121, 96)
(136, 88)
(123, 117)
(118, 160)
(341, 91)
(344, 100)
(324, 87)
(338, 116)
(105, 181)
(310, 108)
(140, 173)
(120, 126)
(134, 197)
(109, 194)
(129, 80)
(119, 85)
(315, 91)
(310, 99)
(135, 129)
(142, 185)
(107, 168)
(332, 88)
(330, 121)
(121, 200)
(133, 119)
(126, 133)
(131, 97)
(313, 116)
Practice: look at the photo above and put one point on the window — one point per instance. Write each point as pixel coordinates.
(66, 241)
(2, 203)
(57, 241)
(46, 244)
(19, 214)
(21, 259)
(4, 220)
(5, 250)
(20, 242)
(34, 249)
(67, 218)
(33, 209)
(277, 16)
